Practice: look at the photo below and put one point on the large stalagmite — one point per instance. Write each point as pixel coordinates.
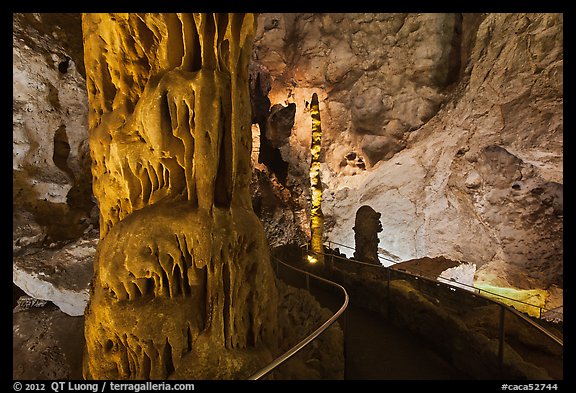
(183, 287)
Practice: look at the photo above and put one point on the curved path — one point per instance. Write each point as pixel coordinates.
(376, 349)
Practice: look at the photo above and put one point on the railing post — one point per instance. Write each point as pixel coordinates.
(277, 269)
(502, 337)
(345, 338)
(388, 290)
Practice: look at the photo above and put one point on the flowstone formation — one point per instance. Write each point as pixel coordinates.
(183, 287)
(366, 229)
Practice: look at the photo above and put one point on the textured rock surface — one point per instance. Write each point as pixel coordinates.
(449, 125)
(60, 274)
(378, 76)
(459, 276)
(283, 219)
(366, 228)
(53, 211)
(170, 141)
(299, 315)
(481, 181)
(47, 344)
(50, 158)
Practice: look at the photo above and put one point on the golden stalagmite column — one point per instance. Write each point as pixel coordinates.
(183, 286)
(316, 257)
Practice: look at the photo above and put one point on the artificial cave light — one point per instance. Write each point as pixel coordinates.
(311, 259)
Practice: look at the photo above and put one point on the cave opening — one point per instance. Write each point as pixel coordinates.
(272, 158)
(268, 154)
(63, 66)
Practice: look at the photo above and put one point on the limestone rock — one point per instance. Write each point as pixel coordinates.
(460, 276)
(60, 274)
(458, 119)
(379, 74)
(300, 314)
(170, 140)
(47, 344)
(279, 124)
(455, 123)
(366, 228)
(50, 157)
(481, 181)
(274, 206)
(27, 302)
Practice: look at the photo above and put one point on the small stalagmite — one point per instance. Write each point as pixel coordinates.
(366, 229)
(182, 285)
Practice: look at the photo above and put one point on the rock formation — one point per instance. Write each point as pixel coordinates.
(59, 274)
(182, 275)
(380, 76)
(50, 158)
(55, 219)
(366, 229)
(47, 343)
(457, 119)
(316, 215)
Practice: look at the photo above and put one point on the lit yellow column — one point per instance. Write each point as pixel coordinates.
(316, 216)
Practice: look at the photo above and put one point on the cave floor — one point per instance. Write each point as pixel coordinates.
(376, 349)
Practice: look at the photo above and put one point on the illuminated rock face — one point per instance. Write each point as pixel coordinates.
(458, 120)
(183, 287)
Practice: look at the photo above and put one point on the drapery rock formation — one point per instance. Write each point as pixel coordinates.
(182, 275)
(366, 229)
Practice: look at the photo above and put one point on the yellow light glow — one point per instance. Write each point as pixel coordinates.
(536, 297)
(311, 258)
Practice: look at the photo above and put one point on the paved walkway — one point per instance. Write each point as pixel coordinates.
(378, 350)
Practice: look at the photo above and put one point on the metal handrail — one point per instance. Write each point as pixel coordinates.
(421, 274)
(440, 283)
(380, 256)
(311, 337)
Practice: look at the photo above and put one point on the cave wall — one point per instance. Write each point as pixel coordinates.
(55, 217)
(51, 179)
(455, 119)
(379, 76)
